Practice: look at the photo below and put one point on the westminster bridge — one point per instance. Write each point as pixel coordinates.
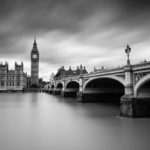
(129, 84)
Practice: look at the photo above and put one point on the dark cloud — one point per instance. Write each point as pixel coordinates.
(135, 5)
(72, 31)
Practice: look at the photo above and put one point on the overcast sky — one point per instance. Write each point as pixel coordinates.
(74, 32)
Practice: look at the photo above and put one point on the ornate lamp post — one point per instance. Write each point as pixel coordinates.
(127, 51)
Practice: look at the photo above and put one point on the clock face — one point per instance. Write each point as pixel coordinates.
(34, 56)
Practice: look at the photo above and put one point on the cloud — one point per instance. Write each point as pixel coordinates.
(71, 32)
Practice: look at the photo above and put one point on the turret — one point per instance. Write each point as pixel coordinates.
(34, 43)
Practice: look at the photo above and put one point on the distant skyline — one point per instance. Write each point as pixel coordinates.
(74, 32)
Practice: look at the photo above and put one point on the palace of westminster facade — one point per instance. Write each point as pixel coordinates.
(17, 79)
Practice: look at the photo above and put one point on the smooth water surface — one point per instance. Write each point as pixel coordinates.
(38, 121)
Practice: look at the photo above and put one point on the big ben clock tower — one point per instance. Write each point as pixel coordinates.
(34, 65)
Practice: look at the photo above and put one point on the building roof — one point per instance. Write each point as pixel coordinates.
(62, 72)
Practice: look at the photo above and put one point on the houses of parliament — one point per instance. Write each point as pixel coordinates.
(17, 79)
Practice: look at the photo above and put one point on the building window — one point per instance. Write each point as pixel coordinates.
(18, 84)
(2, 83)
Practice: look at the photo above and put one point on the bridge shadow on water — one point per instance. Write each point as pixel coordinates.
(106, 107)
(113, 99)
(102, 98)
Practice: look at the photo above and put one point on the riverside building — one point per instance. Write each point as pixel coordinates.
(12, 80)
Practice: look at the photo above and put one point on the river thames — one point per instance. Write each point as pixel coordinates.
(38, 121)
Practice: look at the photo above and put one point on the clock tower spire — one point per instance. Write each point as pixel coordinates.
(34, 44)
(34, 65)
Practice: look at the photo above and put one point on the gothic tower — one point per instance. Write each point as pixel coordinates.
(34, 65)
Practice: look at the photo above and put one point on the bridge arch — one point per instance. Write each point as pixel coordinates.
(72, 84)
(52, 86)
(59, 85)
(71, 89)
(58, 88)
(142, 88)
(104, 88)
(105, 77)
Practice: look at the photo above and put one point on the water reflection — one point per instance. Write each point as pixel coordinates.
(38, 121)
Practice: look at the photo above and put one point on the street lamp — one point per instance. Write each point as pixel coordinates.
(127, 51)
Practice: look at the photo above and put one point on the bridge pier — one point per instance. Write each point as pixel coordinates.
(69, 92)
(127, 101)
(130, 106)
(134, 107)
(57, 91)
(79, 97)
(51, 91)
(80, 92)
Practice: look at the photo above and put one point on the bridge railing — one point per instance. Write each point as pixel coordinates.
(66, 77)
(144, 63)
(121, 68)
(106, 70)
(94, 72)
